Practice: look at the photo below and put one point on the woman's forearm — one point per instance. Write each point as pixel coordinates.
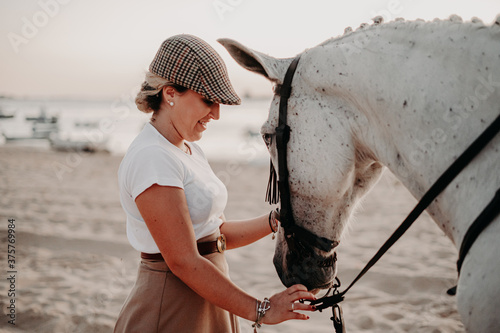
(210, 283)
(241, 233)
(216, 287)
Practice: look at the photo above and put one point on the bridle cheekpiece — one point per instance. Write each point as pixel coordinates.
(297, 237)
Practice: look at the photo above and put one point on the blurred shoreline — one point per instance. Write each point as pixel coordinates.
(111, 125)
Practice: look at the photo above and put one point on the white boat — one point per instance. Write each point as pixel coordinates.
(43, 125)
(16, 128)
(77, 142)
(6, 115)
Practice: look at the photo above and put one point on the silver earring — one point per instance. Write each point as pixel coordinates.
(171, 103)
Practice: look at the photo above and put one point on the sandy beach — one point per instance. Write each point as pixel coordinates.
(74, 266)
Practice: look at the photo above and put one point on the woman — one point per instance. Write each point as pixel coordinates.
(174, 205)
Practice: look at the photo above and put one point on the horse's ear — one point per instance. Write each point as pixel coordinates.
(272, 68)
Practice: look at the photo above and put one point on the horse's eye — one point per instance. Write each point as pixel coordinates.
(268, 139)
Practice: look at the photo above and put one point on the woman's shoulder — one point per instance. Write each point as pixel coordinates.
(150, 152)
(149, 142)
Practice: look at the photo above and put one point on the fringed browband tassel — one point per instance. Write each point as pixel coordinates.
(272, 195)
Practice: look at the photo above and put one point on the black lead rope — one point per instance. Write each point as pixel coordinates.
(484, 219)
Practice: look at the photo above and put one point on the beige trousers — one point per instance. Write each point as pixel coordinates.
(160, 302)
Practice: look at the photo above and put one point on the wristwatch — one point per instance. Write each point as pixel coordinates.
(221, 243)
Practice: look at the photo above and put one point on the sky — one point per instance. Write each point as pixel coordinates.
(100, 49)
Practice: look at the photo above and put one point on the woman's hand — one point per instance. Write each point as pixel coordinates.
(285, 303)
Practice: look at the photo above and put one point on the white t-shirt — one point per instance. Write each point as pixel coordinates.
(152, 159)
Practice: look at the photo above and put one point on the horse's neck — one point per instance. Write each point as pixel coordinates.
(426, 93)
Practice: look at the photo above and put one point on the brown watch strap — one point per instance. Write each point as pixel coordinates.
(207, 247)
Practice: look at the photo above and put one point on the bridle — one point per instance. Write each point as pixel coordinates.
(301, 240)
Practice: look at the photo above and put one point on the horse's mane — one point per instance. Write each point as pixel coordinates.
(399, 23)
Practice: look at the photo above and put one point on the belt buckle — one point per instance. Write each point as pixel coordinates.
(221, 243)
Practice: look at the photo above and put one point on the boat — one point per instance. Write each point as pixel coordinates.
(5, 115)
(43, 125)
(75, 139)
(20, 127)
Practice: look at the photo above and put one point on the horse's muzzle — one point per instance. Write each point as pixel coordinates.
(313, 271)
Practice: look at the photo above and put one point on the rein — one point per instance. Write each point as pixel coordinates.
(295, 234)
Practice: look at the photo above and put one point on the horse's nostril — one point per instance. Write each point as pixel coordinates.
(328, 262)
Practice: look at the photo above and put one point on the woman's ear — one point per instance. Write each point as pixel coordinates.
(168, 92)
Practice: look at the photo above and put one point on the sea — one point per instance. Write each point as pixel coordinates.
(113, 124)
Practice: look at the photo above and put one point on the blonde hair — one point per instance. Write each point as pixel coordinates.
(149, 97)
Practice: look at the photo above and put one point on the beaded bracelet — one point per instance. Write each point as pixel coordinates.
(261, 309)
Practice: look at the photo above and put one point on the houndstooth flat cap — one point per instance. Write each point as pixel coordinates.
(190, 62)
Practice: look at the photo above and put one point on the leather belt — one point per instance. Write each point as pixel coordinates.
(204, 248)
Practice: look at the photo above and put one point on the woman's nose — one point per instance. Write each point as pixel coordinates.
(215, 111)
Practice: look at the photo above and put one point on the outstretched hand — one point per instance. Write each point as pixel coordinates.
(285, 303)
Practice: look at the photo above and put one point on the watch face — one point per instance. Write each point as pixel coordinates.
(221, 243)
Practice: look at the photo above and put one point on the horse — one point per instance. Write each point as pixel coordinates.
(407, 96)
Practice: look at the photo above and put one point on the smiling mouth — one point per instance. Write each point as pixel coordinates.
(203, 124)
